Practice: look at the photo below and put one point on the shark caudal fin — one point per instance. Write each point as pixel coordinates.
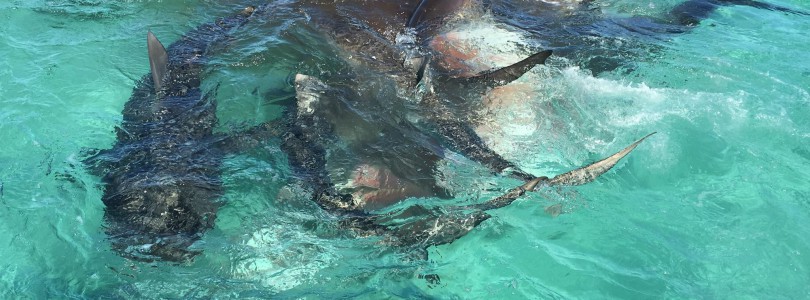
(423, 227)
(158, 60)
(590, 172)
(505, 75)
(576, 177)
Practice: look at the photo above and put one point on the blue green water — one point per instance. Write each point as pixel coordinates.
(715, 206)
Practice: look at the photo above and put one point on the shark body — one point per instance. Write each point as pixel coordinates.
(162, 176)
(331, 118)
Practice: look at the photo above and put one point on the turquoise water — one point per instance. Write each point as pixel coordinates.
(715, 206)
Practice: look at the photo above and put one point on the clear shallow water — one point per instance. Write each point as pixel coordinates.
(713, 206)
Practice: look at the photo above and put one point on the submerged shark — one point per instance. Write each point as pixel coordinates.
(335, 126)
(392, 41)
(162, 176)
(378, 41)
(338, 124)
(322, 118)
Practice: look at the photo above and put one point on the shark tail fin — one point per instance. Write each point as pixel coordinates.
(576, 177)
(158, 60)
(508, 74)
(590, 172)
(424, 227)
(509, 196)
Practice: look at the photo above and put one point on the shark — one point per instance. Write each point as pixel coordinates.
(335, 123)
(392, 40)
(161, 178)
(324, 115)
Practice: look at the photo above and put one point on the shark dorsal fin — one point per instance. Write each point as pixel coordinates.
(158, 60)
(507, 74)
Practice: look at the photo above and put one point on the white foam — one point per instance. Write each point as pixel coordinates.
(549, 115)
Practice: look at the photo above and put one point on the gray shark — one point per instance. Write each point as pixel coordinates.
(162, 176)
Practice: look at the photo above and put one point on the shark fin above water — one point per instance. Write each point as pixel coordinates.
(161, 179)
(578, 176)
(158, 60)
(420, 227)
(459, 134)
(589, 173)
(499, 77)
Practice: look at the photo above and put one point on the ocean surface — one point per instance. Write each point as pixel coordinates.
(716, 205)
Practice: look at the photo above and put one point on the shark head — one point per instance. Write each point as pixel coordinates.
(159, 218)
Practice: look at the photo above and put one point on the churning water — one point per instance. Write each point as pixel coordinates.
(716, 205)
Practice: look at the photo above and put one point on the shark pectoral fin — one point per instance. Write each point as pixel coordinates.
(464, 139)
(508, 74)
(591, 172)
(158, 60)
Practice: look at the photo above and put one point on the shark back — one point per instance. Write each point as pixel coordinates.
(162, 176)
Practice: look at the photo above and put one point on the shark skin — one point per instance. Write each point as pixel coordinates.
(389, 159)
(161, 178)
(371, 42)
